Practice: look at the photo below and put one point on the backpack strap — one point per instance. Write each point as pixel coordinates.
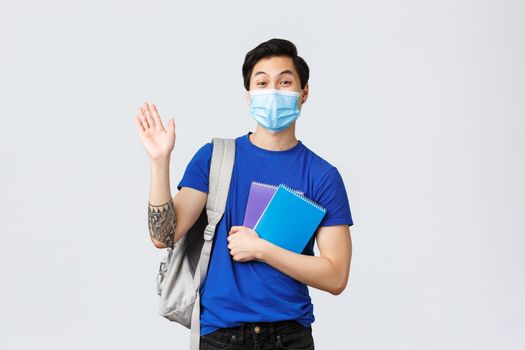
(221, 168)
(219, 182)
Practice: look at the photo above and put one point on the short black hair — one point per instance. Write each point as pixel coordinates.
(274, 47)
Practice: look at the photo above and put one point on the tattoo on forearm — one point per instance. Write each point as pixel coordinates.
(161, 222)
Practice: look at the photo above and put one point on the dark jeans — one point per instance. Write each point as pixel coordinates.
(289, 335)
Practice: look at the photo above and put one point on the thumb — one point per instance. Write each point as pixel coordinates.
(171, 125)
(234, 229)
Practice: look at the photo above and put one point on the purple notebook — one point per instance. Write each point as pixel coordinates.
(258, 198)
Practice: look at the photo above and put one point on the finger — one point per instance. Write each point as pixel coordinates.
(143, 119)
(147, 112)
(156, 117)
(139, 124)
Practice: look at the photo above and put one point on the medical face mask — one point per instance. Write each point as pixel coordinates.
(274, 109)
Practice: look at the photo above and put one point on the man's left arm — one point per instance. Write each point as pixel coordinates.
(329, 271)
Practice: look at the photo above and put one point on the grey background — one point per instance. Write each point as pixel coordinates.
(419, 104)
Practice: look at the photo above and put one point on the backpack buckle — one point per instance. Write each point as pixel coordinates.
(208, 232)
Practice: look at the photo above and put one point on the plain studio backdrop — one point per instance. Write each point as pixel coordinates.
(419, 104)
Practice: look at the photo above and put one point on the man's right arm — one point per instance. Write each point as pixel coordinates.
(169, 219)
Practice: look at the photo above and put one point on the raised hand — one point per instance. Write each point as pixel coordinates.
(157, 141)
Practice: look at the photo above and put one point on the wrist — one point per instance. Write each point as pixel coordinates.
(160, 162)
(262, 252)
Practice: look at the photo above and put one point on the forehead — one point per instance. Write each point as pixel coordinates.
(273, 66)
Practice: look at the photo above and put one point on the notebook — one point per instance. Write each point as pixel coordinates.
(290, 219)
(258, 198)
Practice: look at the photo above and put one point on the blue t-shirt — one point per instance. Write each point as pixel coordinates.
(253, 291)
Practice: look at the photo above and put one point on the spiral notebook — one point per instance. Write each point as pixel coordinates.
(290, 219)
(258, 198)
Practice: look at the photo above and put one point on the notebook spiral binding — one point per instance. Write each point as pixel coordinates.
(302, 197)
(273, 186)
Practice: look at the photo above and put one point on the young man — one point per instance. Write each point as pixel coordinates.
(246, 303)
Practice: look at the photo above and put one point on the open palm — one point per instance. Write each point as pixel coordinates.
(157, 141)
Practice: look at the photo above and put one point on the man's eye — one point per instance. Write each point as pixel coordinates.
(285, 81)
(260, 83)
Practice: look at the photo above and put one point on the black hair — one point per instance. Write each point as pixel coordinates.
(274, 47)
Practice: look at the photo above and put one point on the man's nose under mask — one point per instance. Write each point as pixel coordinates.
(274, 109)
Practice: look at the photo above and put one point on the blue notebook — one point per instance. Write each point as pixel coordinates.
(289, 220)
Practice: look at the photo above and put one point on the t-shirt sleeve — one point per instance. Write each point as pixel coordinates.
(198, 169)
(331, 194)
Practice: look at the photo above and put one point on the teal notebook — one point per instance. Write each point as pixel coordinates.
(290, 219)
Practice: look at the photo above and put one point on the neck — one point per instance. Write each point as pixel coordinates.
(279, 141)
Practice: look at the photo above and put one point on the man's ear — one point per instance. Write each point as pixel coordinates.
(305, 93)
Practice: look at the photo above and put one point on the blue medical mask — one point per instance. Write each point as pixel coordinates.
(274, 109)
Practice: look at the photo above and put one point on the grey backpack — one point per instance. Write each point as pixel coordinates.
(183, 269)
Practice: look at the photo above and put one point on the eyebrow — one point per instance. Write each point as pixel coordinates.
(286, 71)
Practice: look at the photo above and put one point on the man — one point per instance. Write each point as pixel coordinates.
(248, 303)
